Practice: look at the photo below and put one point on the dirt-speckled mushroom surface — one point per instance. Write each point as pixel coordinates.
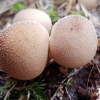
(34, 15)
(73, 41)
(24, 49)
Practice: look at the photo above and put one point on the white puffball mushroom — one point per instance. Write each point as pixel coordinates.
(24, 49)
(73, 41)
(34, 15)
(88, 3)
(59, 1)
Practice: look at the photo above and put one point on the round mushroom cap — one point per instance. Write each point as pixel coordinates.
(73, 41)
(59, 1)
(88, 3)
(24, 49)
(34, 15)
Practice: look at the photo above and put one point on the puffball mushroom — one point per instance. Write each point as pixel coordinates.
(24, 49)
(59, 1)
(62, 69)
(34, 15)
(73, 41)
(98, 41)
(88, 3)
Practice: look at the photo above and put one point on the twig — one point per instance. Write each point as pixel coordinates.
(52, 98)
(97, 68)
(89, 75)
(21, 88)
(1, 78)
(28, 95)
(21, 97)
(63, 5)
(9, 91)
(68, 8)
(75, 71)
(96, 62)
(67, 93)
(87, 14)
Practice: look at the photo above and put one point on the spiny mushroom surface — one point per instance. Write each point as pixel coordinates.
(73, 41)
(34, 15)
(24, 49)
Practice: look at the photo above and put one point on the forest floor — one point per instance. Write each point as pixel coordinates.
(76, 84)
